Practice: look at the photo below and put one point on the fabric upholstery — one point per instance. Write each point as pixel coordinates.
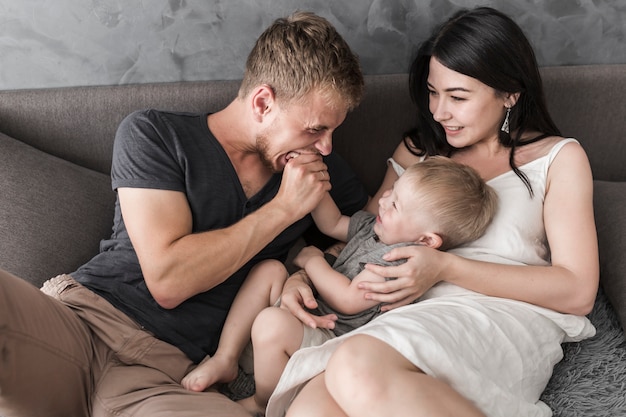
(609, 203)
(587, 103)
(53, 212)
(79, 123)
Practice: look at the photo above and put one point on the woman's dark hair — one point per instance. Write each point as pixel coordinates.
(487, 45)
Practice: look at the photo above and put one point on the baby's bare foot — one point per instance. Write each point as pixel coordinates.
(252, 406)
(210, 371)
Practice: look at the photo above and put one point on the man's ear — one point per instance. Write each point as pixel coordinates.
(262, 100)
(432, 240)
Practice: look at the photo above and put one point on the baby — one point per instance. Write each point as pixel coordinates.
(436, 203)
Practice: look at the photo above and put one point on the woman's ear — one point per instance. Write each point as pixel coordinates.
(511, 99)
(432, 240)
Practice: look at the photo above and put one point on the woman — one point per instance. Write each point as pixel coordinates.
(486, 333)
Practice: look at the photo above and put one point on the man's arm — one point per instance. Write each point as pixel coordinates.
(178, 264)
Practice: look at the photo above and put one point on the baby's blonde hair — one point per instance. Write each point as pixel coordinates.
(462, 204)
(300, 53)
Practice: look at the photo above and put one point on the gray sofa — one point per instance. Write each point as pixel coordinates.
(56, 202)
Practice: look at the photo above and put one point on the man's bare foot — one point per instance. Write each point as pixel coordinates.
(252, 406)
(211, 370)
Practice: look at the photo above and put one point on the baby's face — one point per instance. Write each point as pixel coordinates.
(401, 217)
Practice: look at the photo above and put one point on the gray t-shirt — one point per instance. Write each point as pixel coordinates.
(363, 247)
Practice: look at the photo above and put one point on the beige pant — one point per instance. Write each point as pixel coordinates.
(310, 337)
(72, 354)
(315, 337)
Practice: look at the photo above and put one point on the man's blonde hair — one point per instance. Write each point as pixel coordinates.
(300, 53)
(462, 204)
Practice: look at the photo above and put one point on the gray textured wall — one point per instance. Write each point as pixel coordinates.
(54, 43)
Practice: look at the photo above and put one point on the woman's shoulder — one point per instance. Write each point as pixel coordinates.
(569, 156)
(547, 146)
(560, 157)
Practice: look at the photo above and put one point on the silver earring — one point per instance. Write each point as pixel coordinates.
(505, 125)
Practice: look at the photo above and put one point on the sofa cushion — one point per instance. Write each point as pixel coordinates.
(609, 202)
(53, 212)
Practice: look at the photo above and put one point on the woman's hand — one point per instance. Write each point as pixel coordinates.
(413, 278)
(297, 294)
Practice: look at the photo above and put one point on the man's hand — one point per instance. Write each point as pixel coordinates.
(305, 181)
(297, 294)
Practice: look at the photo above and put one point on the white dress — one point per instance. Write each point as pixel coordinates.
(499, 353)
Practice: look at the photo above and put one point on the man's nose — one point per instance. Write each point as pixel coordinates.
(325, 144)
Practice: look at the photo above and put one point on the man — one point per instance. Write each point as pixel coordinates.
(201, 200)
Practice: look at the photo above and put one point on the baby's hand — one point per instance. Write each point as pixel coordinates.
(305, 255)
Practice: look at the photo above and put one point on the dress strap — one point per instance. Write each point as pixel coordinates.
(397, 167)
(557, 147)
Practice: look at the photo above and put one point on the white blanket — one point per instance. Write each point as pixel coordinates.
(502, 365)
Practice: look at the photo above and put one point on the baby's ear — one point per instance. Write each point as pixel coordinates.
(432, 240)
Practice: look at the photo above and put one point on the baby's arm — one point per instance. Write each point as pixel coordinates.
(341, 293)
(329, 219)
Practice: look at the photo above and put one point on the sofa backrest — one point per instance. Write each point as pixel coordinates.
(588, 103)
(79, 123)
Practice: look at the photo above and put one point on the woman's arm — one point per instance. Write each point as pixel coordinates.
(569, 285)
